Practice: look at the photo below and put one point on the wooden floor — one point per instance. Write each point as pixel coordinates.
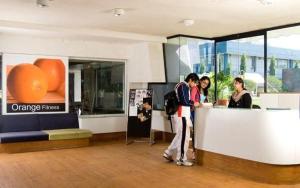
(111, 164)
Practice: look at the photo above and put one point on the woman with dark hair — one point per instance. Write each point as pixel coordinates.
(199, 93)
(203, 86)
(241, 98)
(198, 96)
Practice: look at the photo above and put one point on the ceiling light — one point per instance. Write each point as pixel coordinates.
(188, 22)
(118, 11)
(266, 2)
(42, 3)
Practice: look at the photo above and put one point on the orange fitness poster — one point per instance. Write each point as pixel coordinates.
(34, 83)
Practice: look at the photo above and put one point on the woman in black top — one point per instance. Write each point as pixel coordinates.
(241, 98)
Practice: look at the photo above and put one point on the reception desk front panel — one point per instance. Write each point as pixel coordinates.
(266, 136)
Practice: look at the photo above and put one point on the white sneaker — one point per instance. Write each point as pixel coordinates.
(184, 163)
(168, 157)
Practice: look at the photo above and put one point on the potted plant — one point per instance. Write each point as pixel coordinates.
(224, 88)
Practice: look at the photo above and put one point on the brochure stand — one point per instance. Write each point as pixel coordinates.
(139, 116)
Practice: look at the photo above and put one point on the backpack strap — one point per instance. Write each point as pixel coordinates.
(176, 87)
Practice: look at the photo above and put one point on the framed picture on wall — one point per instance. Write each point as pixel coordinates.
(34, 84)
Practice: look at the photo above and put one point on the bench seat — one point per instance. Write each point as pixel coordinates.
(36, 132)
(64, 134)
(10, 137)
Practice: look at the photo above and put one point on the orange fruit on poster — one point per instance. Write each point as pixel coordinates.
(27, 83)
(54, 70)
(8, 69)
(61, 90)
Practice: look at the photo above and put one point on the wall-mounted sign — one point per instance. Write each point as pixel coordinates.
(34, 83)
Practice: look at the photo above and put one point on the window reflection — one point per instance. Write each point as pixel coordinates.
(284, 60)
(101, 87)
(240, 58)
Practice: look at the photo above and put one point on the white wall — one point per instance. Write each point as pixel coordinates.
(160, 122)
(144, 63)
(104, 124)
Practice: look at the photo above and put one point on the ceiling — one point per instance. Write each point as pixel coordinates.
(162, 18)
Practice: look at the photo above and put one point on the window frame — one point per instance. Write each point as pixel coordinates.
(260, 32)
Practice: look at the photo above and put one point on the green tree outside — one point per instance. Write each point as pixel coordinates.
(296, 65)
(219, 61)
(243, 64)
(274, 84)
(228, 69)
(272, 66)
(202, 68)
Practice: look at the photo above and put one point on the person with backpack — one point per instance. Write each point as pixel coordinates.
(182, 120)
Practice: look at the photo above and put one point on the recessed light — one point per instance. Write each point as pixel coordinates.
(266, 2)
(42, 3)
(188, 22)
(118, 11)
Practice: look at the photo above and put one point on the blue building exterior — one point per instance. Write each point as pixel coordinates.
(230, 53)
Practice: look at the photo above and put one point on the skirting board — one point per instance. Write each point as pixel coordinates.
(261, 172)
(71, 143)
(18, 147)
(99, 137)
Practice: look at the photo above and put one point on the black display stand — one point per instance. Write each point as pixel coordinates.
(139, 116)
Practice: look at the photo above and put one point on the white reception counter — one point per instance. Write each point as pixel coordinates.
(266, 136)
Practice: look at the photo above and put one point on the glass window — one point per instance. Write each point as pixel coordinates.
(96, 87)
(196, 55)
(244, 58)
(283, 73)
(172, 54)
(185, 55)
(159, 91)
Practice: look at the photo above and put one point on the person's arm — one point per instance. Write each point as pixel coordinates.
(247, 101)
(195, 96)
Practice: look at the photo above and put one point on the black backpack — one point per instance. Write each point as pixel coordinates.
(171, 103)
